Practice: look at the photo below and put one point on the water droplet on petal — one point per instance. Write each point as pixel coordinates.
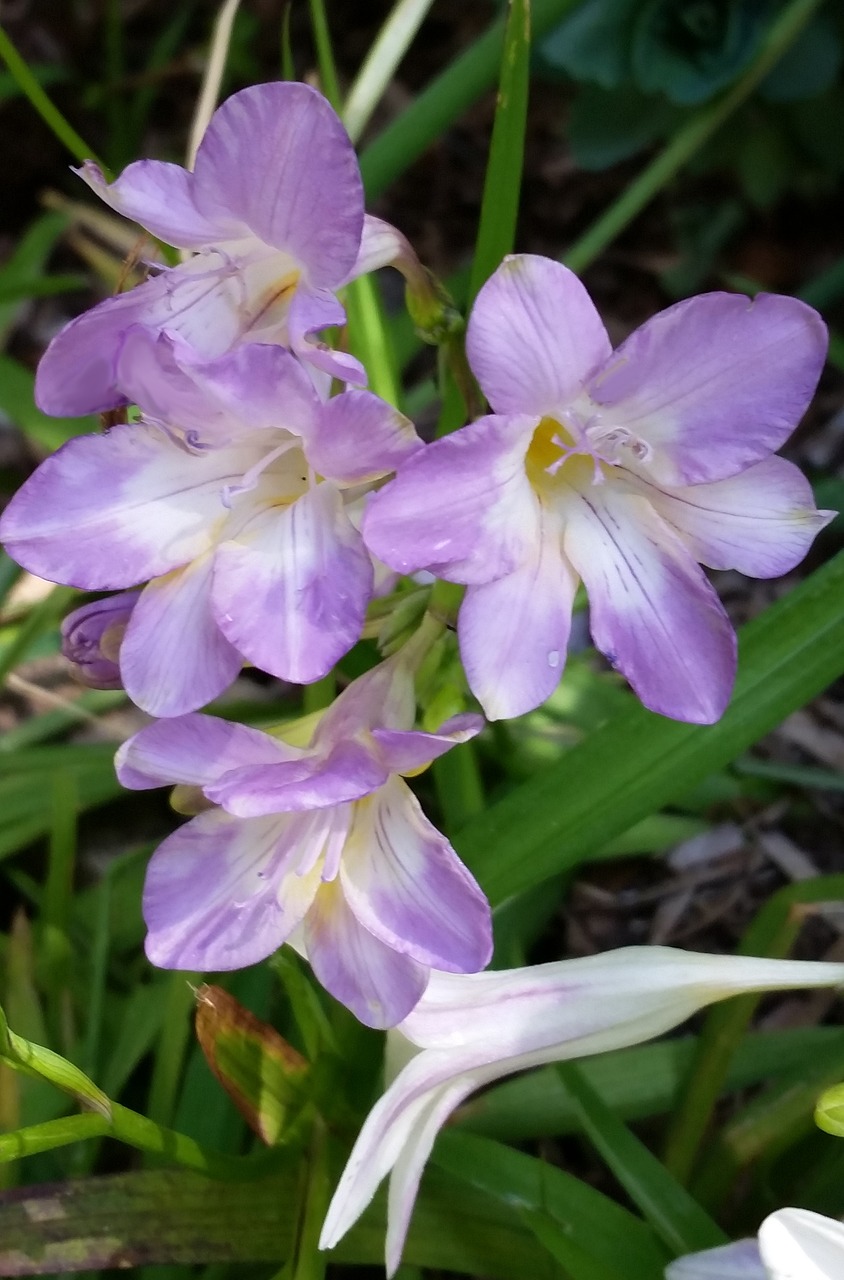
(554, 658)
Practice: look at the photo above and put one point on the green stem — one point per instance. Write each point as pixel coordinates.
(48, 111)
(690, 138)
(325, 56)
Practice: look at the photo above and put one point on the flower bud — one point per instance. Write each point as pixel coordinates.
(91, 638)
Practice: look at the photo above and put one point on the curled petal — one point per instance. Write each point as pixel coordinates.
(160, 197)
(761, 522)
(406, 885)
(311, 311)
(375, 982)
(276, 158)
(514, 632)
(174, 658)
(800, 1243)
(714, 383)
(407, 750)
(462, 507)
(310, 782)
(653, 613)
(534, 336)
(217, 895)
(360, 437)
(291, 591)
(194, 750)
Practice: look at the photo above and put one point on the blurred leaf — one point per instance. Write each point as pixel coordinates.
(765, 164)
(27, 263)
(259, 1070)
(809, 67)
(607, 126)
(17, 403)
(689, 49)
(592, 44)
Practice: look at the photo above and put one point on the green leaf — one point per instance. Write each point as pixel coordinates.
(672, 1212)
(690, 51)
(446, 97)
(35, 1060)
(643, 762)
(17, 403)
(503, 180)
(599, 1228)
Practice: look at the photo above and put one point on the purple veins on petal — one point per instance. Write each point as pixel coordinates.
(624, 469)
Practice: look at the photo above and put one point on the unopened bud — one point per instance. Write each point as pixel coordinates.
(91, 638)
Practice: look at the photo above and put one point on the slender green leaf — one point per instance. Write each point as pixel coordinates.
(642, 762)
(673, 1213)
(17, 403)
(596, 1225)
(503, 181)
(446, 98)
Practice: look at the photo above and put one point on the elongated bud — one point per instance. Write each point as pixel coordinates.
(91, 639)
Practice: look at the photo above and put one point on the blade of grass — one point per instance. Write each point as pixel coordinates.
(329, 83)
(560, 817)
(675, 1216)
(385, 54)
(48, 111)
(446, 97)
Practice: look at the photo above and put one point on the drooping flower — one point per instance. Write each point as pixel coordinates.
(328, 837)
(794, 1244)
(91, 639)
(469, 1030)
(623, 469)
(232, 494)
(273, 212)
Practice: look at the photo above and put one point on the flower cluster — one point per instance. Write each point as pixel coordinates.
(247, 506)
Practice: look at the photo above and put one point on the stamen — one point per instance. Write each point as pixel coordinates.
(189, 441)
(253, 475)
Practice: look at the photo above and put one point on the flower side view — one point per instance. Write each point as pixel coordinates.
(469, 1030)
(794, 1244)
(625, 469)
(235, 495)
(273, 212)
(328, 837)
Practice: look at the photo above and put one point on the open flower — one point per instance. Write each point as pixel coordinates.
(233, 495)
(467, 1031)
(273, 211)
(794, 1244)
(621, 468)
(328, 837)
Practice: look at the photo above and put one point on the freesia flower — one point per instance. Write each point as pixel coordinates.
(91, 639)
(467, 1031)
(273, 212)
(621, 468)
(328, 837)
(233, 494)
(794, 1244)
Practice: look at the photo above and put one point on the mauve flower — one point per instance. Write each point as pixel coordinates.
(469, 1030)
(621, 468)
(92, 636)
(273, 211)
(794, 1244)
(328, 837)
(233, 494)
